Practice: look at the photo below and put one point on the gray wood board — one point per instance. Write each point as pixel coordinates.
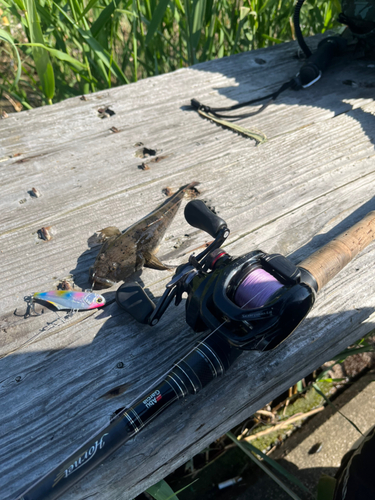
(313, 179)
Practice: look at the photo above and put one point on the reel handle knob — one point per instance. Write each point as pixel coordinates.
(198, 215)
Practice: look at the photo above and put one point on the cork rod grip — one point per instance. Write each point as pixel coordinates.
(326, 262)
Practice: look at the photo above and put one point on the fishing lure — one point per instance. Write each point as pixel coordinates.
(68, 299)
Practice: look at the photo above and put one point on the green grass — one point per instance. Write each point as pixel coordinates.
(73, 47)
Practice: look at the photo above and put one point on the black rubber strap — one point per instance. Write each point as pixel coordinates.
(297, 29)
(272, 97)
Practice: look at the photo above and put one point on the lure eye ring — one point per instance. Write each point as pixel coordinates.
(99, 300)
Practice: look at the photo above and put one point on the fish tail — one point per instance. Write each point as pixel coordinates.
(189, 186)
(177, 198)
(178, 195)
(169, 208)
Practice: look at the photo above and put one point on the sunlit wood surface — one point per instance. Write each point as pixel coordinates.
(311, 180)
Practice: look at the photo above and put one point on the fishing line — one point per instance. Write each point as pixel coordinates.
(255, 294)
(258, 295)
(59, 321)
(257, 287)
(249, 291)
(31, 340)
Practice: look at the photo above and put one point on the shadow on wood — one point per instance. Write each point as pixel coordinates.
(57, 380)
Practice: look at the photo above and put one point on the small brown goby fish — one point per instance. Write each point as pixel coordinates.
(124, 253)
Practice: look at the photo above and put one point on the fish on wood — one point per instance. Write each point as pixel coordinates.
(123, 253)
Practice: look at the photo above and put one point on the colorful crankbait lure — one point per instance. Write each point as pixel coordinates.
(68, 299)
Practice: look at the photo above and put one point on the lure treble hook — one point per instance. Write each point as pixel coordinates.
(29, 299)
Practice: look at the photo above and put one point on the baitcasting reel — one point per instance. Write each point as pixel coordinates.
(218, 295)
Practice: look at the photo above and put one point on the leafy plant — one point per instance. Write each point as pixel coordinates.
(72, 47)
(251, 451)
(326, 488)
(162, 491)
(40, 54)
(361, 346)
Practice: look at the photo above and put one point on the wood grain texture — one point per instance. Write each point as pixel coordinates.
(329, 260)
(311, 181)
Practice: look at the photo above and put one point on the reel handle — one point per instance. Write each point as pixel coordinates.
(326, 262)
(198, 215)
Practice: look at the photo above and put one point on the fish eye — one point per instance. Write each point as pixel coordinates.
(99, 300)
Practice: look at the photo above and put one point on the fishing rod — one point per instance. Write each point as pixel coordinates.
(251, 302)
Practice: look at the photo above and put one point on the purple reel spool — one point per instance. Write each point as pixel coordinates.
(256, 289)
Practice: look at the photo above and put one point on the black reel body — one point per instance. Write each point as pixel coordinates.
(210, 303)
(211, 280)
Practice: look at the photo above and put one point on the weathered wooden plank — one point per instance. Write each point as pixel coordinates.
(310, 181)
(291, 184)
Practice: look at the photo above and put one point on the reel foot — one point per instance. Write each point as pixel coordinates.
(133, 299)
